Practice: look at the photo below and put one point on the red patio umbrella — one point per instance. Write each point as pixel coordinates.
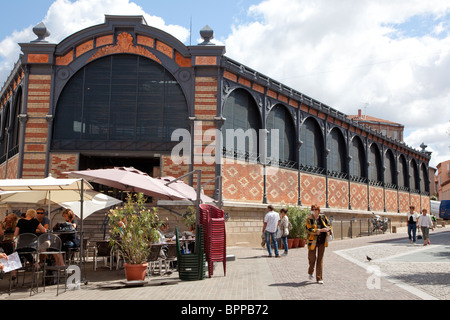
(129, 179)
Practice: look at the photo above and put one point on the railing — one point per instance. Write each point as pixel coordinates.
(348, 229)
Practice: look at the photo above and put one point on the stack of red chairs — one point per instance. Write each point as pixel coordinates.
(213, 221)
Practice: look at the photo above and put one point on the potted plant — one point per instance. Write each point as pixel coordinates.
(297, 218)
(190, 218)
(134, 228)
(302, 234)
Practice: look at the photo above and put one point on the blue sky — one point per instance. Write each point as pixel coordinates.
(218, 14)
(388, 57)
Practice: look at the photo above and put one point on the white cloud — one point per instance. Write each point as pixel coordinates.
(66, 17)
(357, 52)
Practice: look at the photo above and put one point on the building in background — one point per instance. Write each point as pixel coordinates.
(385, 127)
(443, 180)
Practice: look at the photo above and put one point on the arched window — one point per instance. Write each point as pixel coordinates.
(337, 152)
(358, 159)
(15, 120)
(403, 176)
(5, 130)
(390, 174)
(414, 176)
(242, 124)
(311, 151)
(280, 119)
(120, 98)
(424, 181)
(375, 164)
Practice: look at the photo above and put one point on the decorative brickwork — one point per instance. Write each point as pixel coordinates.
(12, 168)
(62, 162)
(170, 169)
(358, 196)
(38, 58)
(124, 45)
(415, 201)
(338, 193)
(313, 190)
(205, 98)
(282, 187)
(403, 198)
(391, 200)
(376, 199)
(36, 131)
(242, 181)
(425, 203)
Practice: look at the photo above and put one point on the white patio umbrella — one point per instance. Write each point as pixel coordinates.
(44, 191)
(50, 188)
(99, 201)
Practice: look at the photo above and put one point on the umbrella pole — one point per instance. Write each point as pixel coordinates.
(199, 189)
(49, 210)
(82, 269)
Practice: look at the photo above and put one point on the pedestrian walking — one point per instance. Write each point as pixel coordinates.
(284, 227)
(271, 222)
(412, 217)
(425, 223)
(318, 228)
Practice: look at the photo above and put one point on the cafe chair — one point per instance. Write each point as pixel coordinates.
(74, 255)
(27, 247)
(50, 246)
(103, 250)
(154, 258)
(171, 256)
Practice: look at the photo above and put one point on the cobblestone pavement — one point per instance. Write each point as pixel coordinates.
(398, 271)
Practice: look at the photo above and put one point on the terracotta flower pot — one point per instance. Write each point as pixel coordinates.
(302, 243)
(135, 272)
(296, 242)
(290, 243)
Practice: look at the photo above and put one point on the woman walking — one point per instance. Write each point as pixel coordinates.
(425, 224)
(284, 227)
(318, 228)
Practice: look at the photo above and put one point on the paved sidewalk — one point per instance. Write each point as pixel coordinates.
(398, 271)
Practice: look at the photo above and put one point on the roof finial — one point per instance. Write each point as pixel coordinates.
(42, 32)
(207, 34)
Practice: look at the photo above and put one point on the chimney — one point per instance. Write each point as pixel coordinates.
(359, 113)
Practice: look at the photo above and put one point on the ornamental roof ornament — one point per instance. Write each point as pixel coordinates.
(42, 32)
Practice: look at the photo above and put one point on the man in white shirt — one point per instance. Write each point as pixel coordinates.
(412, 217)
(271, 221)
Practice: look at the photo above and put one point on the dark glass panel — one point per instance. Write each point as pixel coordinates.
(311, 151)
(120, 98)
(375, 163)
(241, 112)
(357, 162)
(336, 156)
(280, 119)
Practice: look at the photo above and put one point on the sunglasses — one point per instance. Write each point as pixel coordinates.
(315, 209)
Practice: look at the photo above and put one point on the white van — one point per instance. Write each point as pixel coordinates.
(434, 208)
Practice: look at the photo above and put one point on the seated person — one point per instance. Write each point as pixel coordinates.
(2, 256)
(71, 239)
(42, 219)
(29, 224)
(8, 226)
